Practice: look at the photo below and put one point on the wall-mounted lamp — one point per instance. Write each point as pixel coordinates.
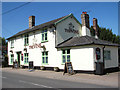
(25, 49)
(11, 51)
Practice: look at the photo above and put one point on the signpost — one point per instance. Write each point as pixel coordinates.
(68, 68)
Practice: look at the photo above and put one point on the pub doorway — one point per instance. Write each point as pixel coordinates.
(18, 58)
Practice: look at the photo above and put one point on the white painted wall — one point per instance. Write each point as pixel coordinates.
(114, 57)
(18, 46)
(82, 58)
(85, 31)
(61, 35)
(9, 52)
(36, 53)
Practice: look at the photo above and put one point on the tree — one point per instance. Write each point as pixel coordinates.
(3, 49)
(106, 34)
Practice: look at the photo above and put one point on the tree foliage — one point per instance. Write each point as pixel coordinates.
(106, 34)
(3, 46)
(3, 42)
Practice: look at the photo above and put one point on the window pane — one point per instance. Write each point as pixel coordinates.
(45, 36)
(46, 59)
(42, 37)
(27, 60)
(64, 59)
(46, 53)
(63, 51)
(45, 30)
(43, 59)
(12, 43)
(42, 31)
(27, 41)
(107, 55)
(68, 51)
(68, 60)
(12, 55)
(27, 54)
(43, 53)
(68, 57)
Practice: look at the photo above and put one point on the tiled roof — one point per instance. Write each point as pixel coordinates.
(84, 40)
(47, 24)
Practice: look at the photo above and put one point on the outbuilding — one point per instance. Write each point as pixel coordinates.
(65, 39)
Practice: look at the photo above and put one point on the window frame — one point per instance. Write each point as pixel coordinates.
(12, 43)
(11, 58)
(108, 53)
(66, 56)
(26, 56)
(43, 35)
(26, 39)
(45, 56)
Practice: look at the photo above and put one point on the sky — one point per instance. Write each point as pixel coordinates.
(17, 19)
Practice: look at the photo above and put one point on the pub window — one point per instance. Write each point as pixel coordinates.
(65, 55)
(107, 55)
(12, 58)
(45, 57)
(12, 43)
(44, 36)
(26, 58)
(26, 40)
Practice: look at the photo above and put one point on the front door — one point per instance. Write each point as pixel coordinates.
(18, 58)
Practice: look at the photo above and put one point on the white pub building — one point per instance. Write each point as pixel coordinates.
(53, 43)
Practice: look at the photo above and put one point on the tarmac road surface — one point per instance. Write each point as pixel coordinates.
(14, 80)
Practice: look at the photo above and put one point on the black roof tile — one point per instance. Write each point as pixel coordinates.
(84, 40)
(47, 24)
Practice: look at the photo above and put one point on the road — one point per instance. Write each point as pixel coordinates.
(13, 80)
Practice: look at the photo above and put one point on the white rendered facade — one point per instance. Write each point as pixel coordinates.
(82, 57)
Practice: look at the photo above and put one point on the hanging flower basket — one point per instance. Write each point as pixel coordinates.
(42, 68)
(56, 69)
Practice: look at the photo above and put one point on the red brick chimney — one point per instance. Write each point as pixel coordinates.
(85, 19)
(31, 21)
(95, 27)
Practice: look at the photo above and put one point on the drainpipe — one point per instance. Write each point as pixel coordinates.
(103, 59)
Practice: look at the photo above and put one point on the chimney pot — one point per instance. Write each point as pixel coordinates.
(85, 12)
(85, 19)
